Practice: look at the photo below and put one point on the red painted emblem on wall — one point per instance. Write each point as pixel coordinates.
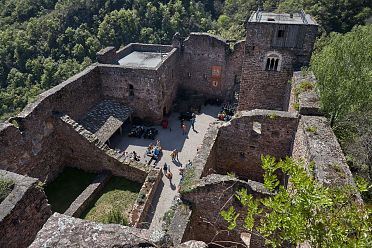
(216, 75)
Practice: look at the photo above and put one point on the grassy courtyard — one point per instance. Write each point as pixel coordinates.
(67, 187)
(115, 203)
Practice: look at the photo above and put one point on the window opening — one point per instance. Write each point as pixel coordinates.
(272, 63)
(131, 90)
(280, 33)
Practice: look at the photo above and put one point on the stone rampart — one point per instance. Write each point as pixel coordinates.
(316, 142)
(23, 212)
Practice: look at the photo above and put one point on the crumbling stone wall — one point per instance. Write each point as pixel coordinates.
(88, 153)
(315, 141)
(241, 142)
(31, 147)
(264, 89)
(23, 212)
(207, 198)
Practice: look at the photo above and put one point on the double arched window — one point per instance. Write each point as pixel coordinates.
(273, 61)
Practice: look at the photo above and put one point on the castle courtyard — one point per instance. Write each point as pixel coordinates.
(170, 138)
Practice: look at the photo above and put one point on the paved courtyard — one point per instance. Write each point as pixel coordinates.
(170, 139)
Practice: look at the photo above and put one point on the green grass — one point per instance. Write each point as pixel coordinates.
(67, 187)
(6, 186)
(115, 203)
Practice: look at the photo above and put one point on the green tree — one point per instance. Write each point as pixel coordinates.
(332, 15)
(119, 27)
(305, 211)
(343, 66)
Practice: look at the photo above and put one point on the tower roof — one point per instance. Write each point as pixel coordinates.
(282, 18)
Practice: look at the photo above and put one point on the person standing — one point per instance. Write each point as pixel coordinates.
(192, 120)
(184, 129)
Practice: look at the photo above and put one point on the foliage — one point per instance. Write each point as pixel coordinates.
(311, 129)
(332, 15)
(116, 217)
(43, 42)
(305, 211)
(6, 187)
(343, 67)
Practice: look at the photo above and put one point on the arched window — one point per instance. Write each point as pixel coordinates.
(273, 61)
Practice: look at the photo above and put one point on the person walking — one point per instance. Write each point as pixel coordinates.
(165, 168)
(174, 155)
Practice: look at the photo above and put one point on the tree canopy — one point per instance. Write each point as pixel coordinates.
(304, 211)
(343, 66)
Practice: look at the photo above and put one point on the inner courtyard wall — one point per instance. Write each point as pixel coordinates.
(207, 199)
(201, 55)
(241, 142)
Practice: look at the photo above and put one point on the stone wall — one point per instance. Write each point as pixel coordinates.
(85, 199)
(207, 198)
(65, 231)
(145, 198)
(153, 89)
(88, 153)
(23, 212)
(202, 51)
(315, 141)
(29, 146)
(241, 142)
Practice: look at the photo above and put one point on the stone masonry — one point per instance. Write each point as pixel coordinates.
(286, 41)
(23, 212)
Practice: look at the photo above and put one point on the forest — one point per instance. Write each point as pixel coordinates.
(43, 42)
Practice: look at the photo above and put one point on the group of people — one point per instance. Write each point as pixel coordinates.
(154, 152)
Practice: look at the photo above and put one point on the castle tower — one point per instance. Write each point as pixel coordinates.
(276, 45)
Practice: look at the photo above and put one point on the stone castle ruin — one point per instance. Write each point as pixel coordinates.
(76, 124)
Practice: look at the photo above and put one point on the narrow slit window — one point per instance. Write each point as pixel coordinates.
(131, 90)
